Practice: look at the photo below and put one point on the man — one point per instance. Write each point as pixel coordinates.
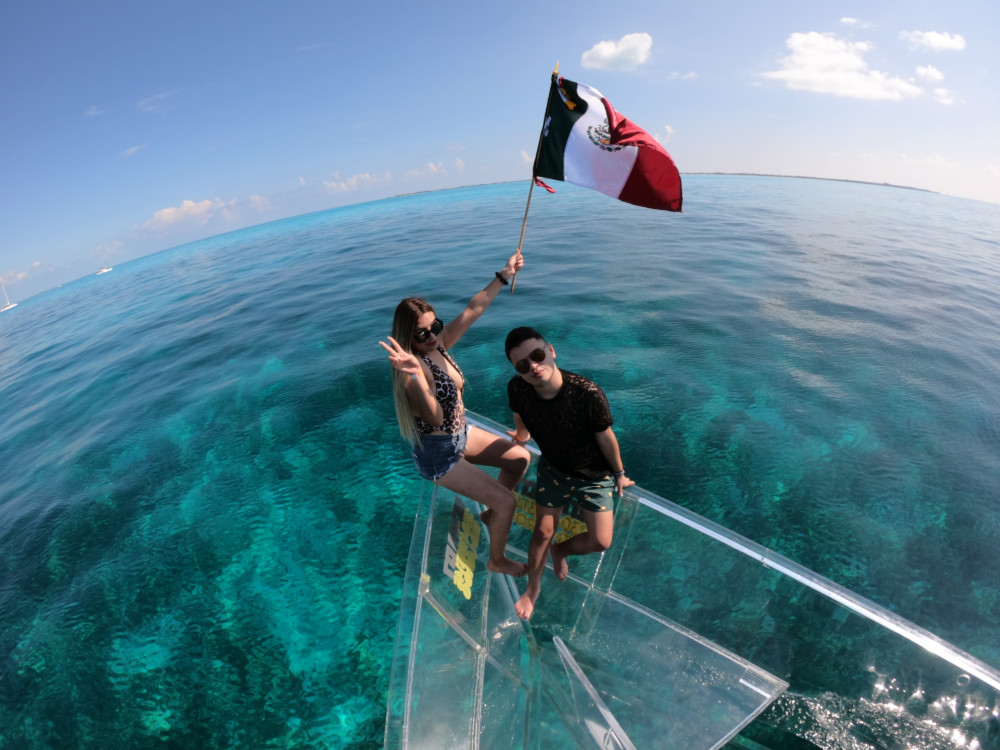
(570, 420)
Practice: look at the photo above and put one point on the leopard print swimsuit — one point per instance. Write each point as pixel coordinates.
(448, 395)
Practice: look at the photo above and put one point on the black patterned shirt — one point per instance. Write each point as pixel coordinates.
(564, 426)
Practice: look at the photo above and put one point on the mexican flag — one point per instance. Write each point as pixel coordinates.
(586, 142)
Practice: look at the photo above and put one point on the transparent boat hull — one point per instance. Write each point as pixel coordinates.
(678, 636)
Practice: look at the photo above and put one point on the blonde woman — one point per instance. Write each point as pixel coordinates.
(428, 387)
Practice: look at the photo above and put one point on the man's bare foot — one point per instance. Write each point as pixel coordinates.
(525, 606)
(559, 565)
(508, 567)
(486, 515)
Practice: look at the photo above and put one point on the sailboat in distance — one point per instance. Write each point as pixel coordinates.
(7, 303)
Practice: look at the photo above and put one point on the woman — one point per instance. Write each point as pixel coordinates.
(428, 385)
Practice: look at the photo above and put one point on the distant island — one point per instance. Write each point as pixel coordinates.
(722, 174)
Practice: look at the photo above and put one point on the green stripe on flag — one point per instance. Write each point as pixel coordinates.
(559, 121)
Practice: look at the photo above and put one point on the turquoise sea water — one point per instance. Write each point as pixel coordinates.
(205, 507)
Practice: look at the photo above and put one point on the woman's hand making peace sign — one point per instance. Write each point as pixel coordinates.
(404, 361)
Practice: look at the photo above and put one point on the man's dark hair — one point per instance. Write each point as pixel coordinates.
(518, 336)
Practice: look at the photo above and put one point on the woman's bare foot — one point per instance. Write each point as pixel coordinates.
(525, 606)
(559, 565)
(507, 567)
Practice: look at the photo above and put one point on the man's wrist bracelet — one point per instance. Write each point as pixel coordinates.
(619, 473)
(502, 279)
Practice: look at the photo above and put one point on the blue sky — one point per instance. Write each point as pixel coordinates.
(132, 127)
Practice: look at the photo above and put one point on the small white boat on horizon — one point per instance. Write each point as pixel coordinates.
(7, 303)
(105, 269)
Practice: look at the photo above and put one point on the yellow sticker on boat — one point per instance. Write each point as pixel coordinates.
(460, 553)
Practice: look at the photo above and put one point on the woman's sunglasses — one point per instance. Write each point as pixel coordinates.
(422, 334)
(523, 365)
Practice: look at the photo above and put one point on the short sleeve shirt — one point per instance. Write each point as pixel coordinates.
(564, 426)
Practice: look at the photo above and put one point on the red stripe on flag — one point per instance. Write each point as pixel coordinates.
(541, 184)
(654, 181)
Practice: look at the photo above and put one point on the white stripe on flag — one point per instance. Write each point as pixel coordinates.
(585, 163)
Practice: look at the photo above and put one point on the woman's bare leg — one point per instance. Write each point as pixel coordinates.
(474, 483)
(486, 449)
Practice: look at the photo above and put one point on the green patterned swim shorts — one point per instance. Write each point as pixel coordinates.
(553, 489)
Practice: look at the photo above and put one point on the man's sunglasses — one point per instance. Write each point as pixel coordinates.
(523, 365)
(422, 334)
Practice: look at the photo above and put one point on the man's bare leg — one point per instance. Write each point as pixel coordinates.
(559, 565)
(597, 538)
(546, 522)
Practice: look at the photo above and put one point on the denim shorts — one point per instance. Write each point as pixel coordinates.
(553, 489)
(436, 455)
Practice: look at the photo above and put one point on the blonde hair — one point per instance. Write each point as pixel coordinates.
(404, 326)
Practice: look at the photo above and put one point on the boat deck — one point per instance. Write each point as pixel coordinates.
(672, 638)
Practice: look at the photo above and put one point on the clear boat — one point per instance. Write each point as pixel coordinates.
(682, 635)
(7, 303)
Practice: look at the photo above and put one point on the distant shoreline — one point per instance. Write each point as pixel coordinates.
(123, 259)
(721, 174)
(827, 179)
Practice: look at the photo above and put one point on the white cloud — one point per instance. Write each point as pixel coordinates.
(259, 202)
(189, 212)
(824, 64)
(11, 277)
(628, 53)
(667, 132)
(93, 111)
(431, 170)
(930, 74)
(855, 22)
(459, 165)
(527, 158)
(354, 182)
(686, 76)
(302, 181)
(133, 151)
(936, 41)
(944, 96)
(931, 161)
(157, 103)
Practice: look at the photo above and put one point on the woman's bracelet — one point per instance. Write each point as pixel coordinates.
(502, 279)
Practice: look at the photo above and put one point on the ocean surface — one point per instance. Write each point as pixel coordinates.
(205, 505)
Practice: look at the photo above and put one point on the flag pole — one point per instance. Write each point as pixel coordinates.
(538, 150)
(524, 223)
